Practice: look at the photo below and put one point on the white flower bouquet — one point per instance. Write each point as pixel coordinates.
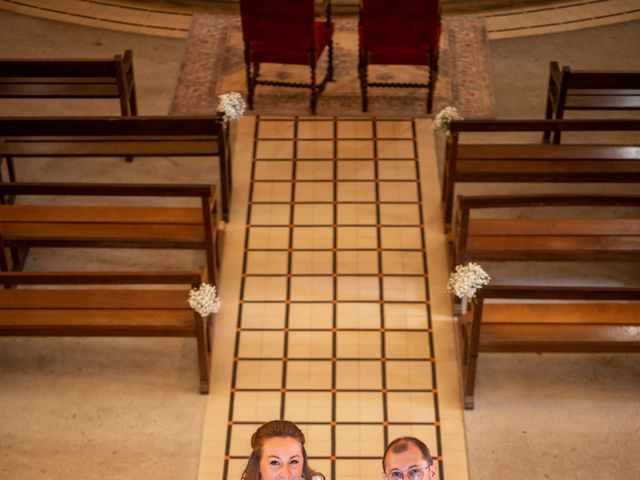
(444, 117)
(467, 279)
(204, 300)
(232, 106)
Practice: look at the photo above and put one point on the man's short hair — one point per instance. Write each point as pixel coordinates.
(401, 444)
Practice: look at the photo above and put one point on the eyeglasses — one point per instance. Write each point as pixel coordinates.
(413, 473)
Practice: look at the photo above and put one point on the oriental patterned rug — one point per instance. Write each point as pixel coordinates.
(214, 64)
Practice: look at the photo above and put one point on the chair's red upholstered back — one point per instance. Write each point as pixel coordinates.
(399, 31)
(280, 31)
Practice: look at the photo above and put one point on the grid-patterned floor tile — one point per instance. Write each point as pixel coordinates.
(333, 328)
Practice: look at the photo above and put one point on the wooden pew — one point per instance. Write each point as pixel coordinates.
(159, 136)
(108, 226)
(506, 162)
(589, 90)
(71, 78)
(118, 310)
(589, 319)
(570, 238)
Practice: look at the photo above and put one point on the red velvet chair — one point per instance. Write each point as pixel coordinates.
(285, 31)
(399, 32)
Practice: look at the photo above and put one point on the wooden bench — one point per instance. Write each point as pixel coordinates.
(71, 78)
(199, 136)
(506, 162)
(118, 310)
(569, 238)
(589, 319)
(596, 90)
(109, 226)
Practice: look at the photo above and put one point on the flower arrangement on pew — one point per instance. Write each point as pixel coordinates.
(465, 281)
(204, 300)
(444, 118)
(232, 106)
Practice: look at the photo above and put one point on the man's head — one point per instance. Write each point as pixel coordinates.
(408, 457)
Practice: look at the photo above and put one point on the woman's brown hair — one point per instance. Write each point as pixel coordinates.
(272, 429)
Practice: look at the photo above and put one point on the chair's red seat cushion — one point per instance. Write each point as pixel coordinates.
(284, 52)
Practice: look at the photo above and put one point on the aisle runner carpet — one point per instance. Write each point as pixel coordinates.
(214, 64)
(334, 329)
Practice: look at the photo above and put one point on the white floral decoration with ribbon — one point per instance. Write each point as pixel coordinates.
(232, 106)
(467, 279)
(443, 119)
(204, 300)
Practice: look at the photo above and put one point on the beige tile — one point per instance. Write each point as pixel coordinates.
(275, 129)
(315, 149)
(356, 214)
(358, 262)
(398, 191)
(315, 129)
(394, 129)
(361, 375)
(355, 149)
(401, 237)
(355, 170)
(270, 214)
(265, 288)
(307, 407)
(358, 469)
(406, 263)
(400, 214)
(310, 315)
(312, 262)
(241, 442)
(263, 315)
(405, 345)
(358, 407)
(309, 375)
(314, 214)
(271, 192)
(312, 288)
(318, 443)
(254, 344)
(357, 237)
(274, 149)
(359, 440)
(397, 170)
(404, 289)
(396, 149)
(355, 129)
(356, 192)
(314, 192)
(259, 374)
(313, 170)
(312, 237)
(410, 407)
(358, 315)
(267, 262)
(255, 406)
(359, 344)
(407, 315)
(268, 237)
(409, 374)
(273, 170)
(358, 288)
(306, 344)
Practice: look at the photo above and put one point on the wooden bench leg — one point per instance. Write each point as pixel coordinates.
(204, 355)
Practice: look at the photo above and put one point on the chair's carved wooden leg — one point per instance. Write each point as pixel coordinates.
(247, 64)
(433, 77)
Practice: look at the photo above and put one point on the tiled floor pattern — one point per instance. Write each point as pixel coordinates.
(163, 19)
(333, 327)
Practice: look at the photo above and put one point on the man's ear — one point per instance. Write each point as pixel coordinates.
(433, 471)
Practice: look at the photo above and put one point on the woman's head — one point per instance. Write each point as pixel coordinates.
(278, 453)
